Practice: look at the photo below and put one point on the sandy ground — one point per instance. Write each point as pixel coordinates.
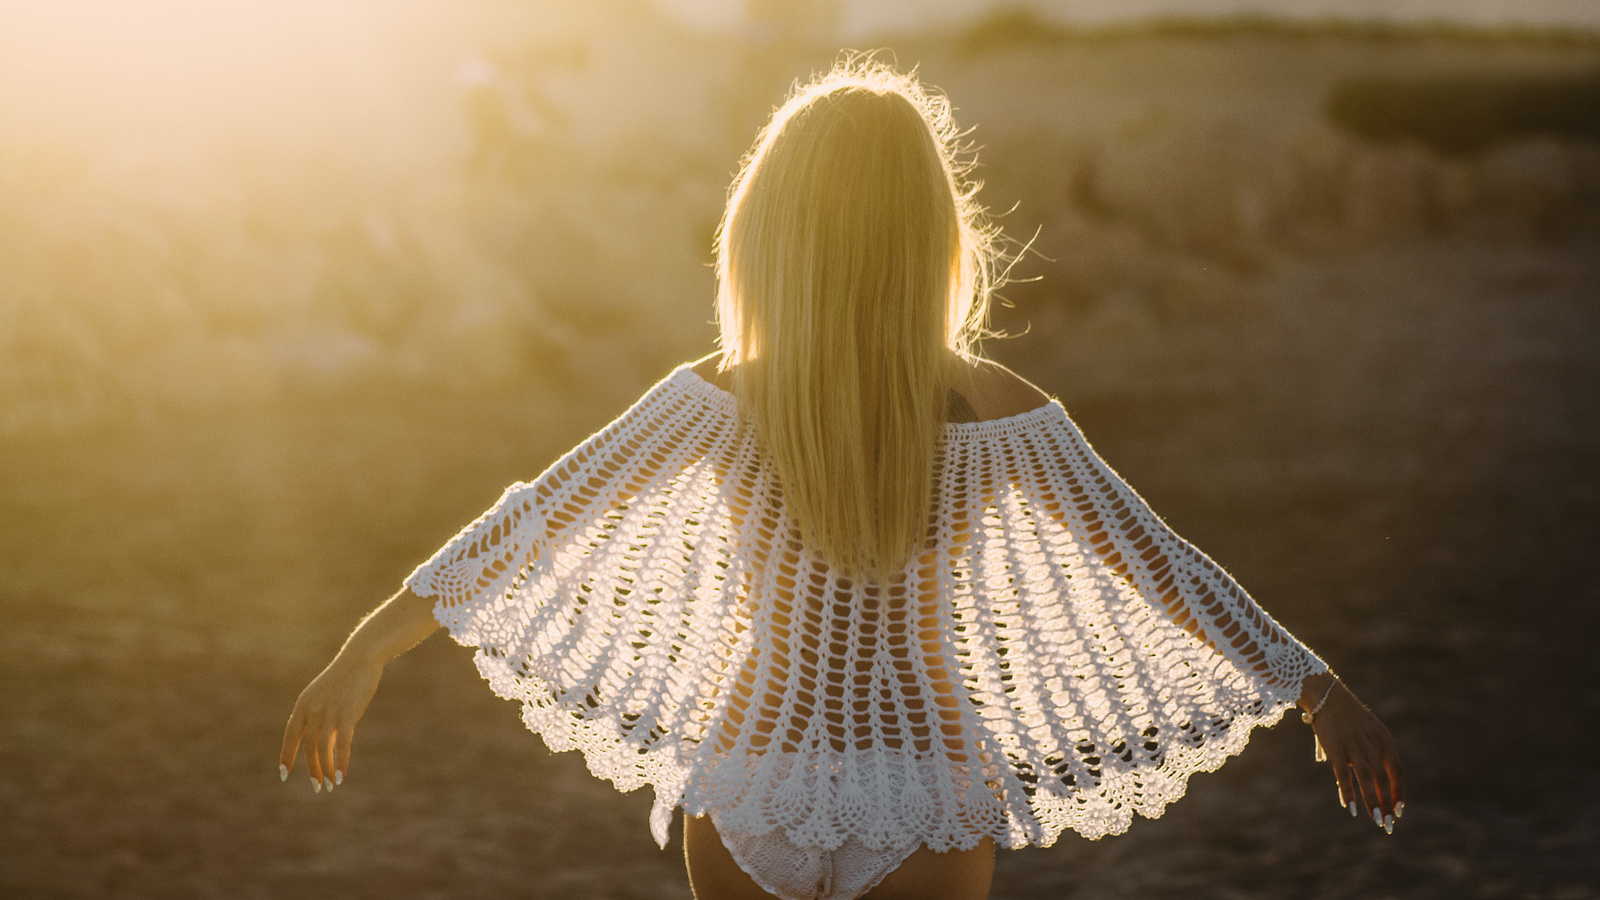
(1395, 450)
(1393, 443)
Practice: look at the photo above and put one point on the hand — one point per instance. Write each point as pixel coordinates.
(324, 719)
(1363, 756)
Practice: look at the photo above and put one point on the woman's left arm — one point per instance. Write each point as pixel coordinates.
(324, 718)
(1358, 746)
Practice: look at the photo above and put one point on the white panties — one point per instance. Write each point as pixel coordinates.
(800, 873)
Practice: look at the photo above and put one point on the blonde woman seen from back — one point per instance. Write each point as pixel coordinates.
(862, 604)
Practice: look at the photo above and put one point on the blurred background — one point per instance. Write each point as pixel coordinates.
(289, 291)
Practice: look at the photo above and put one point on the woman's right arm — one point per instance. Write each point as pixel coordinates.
(325, 716)
(1365, 763)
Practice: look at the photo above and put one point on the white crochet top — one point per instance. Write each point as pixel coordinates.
(1055, 658)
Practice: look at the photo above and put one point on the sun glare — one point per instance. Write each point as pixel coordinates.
(189, 70)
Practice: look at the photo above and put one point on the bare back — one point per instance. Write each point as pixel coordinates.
(981, 390)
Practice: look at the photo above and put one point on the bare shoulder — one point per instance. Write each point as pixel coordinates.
(706, 368)
(995, 391)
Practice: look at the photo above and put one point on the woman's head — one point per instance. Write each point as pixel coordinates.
(851, 259)
(851, 207)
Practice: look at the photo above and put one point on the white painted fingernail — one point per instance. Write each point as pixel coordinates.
(327, 785)
(1399, 809)
(338, 778)
(1377, 818)
(1388, 824)
(1352, 809)
(316, 785)
(283, 772)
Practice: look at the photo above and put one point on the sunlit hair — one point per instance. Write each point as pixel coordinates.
(851, 257)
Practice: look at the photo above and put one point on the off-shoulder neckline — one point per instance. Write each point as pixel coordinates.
(725, 400)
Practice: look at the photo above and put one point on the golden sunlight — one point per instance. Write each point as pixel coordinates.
(291, 289)
(185, 68)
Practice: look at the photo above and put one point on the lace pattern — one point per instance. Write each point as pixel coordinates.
(1055, 658)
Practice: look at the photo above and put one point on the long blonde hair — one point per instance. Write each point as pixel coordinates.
(850, 257)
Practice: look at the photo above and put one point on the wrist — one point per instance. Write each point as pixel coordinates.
(358, 652)
(1315, 690)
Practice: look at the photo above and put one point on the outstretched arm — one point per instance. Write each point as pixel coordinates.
(1357, 745)
(1205, 601)
(324, 718)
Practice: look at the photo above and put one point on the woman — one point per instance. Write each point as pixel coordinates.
(863, 604)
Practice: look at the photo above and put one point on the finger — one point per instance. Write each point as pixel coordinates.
(330, 757)
(1383, 777)
(329, 750)
(313, 751)
(1347, 788)
(291, 744)
(342, 766)
(1391, 766)
(1383, 791)
(1373, 800)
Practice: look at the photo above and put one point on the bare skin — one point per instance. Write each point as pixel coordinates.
(1366, 765)
(324, 719)
(957, 875)
(322, 725)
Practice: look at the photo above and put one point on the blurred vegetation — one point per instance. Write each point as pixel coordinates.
(136, 278)
(1463, 115)
(1008, 30)
(167, 283)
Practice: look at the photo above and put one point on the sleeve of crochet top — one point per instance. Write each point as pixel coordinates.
(489, 555)
(1108, 517)
(486, 556)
